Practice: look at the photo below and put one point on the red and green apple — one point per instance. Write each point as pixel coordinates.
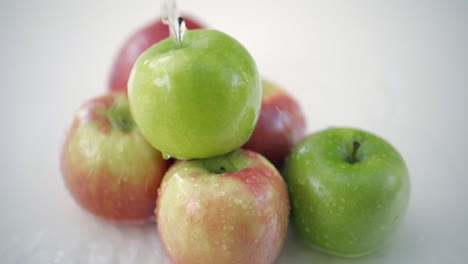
(280, 126)
(107, 165)
(227, 209)
(199, 98)
(135, 46)
(349, 190)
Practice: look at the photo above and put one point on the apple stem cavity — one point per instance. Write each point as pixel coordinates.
(353, 159)
(119, 116)
(120, 122)
(176, 23)
(220, 165)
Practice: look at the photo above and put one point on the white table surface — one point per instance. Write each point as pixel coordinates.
(396, 68)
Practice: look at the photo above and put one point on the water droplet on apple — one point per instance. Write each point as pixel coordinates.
(302, 150)
(320, 189)
(224, 247)
(326, 237)
(222, 193)
(307, 230)
(244, 206)
(341, 209)
(166, 156)
(216, 185)
(238, 201)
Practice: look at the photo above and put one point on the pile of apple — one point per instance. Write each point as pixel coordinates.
(197, 143)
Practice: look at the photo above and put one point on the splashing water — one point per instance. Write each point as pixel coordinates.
(170, 16)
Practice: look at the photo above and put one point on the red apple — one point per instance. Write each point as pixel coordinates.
(280, 126)
(107, 165)
(135, 46)
(227, 209)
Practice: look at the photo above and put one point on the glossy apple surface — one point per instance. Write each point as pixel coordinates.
(349, 190)
(107, 165)
(135, 46)
(198, 100)
(280, 126)
(228, 209)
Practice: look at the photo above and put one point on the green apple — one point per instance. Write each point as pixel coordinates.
(197, 99)
(228, 209)
(349, 190)
(107, 165)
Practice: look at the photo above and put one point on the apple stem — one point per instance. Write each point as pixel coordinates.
(181, 32)
(353, 158)
(170, 17)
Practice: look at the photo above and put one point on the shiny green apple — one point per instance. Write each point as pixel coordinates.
(197, 99)
(349, 190)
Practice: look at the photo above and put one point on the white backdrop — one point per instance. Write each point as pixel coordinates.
(396, 68)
